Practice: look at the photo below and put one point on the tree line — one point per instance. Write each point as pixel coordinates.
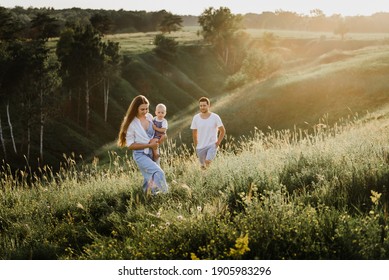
(122, 21)
(317, 21)
(107, 21)
(36, 84)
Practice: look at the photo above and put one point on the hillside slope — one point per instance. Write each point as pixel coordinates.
(280, 197)
(335, 85)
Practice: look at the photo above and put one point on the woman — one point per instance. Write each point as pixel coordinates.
(136, 131)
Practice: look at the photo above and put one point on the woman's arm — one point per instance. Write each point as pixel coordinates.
(140, 146)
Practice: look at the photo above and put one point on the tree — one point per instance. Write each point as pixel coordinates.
(341, 28)
(317, 13)
(29, 80)
(166, 48)
(170, 23)
(82, 56)
(269, 40)
(3, 68)
(46, 82)
(111, 66)
(284, 19)
(35, 53)
(318, 20)
(254, 65)
(44, 26)
(101, 22)
(9, 27)
(13, 66)
(218, 28)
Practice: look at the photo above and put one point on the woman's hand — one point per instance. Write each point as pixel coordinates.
(139, 146)
(153, 145)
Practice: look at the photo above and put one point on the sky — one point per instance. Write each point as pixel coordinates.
(196, 7)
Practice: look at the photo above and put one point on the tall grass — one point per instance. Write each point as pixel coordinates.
(288, 194)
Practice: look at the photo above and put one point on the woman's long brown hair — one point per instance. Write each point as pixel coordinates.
(132, 111)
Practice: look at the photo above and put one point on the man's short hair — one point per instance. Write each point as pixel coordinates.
(205, 99)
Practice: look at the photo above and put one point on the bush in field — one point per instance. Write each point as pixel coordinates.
(235, 81)
(257, 65)
(166, 47)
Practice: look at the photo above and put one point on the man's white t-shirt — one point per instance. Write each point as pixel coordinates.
(206, 129)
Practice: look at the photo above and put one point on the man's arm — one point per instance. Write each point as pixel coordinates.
(222, 132)
(194, 135)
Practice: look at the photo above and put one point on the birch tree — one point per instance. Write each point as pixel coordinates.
(2, 141)
(86, 63)
(111, 63)
(3, 69)
(83, 63)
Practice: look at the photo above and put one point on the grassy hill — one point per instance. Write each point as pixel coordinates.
(279, 195)
(329, 86)
(328, 79)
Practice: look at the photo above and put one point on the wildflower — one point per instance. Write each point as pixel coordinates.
(180, 218)
(199, 208)
(95, 162)
(241, 246)
(375, 197)
(320, 177)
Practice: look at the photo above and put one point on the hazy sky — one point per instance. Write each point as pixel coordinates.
(196, 7)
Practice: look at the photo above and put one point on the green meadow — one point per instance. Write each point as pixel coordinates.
(276, 195)
(302, 174)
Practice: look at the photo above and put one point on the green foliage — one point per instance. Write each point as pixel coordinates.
(236, 80)
(218, 25)
(101, 22)
(43, 26)
(166, 48)
(255, 66)
(279, 195)
(170, 23)
(219, 28)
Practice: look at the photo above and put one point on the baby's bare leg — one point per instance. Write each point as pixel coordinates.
(162, 139)
(155, 150)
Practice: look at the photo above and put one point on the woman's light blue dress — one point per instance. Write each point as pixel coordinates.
(154, 177)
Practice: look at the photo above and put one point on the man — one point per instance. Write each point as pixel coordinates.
(208, 132)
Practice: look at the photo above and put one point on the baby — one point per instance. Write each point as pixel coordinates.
(160, 127)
